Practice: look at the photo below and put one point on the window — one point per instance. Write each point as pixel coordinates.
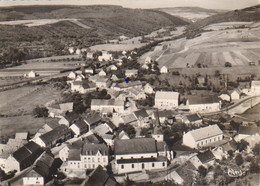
(85, 166)
(122, 166)
(163, 164)
(202, 143)
(98, 159)
(142, 166)
(152, 164)
(133, 166)
(142, 157)
(131, 157)
(93, 165)
(104, 159)
(121, 158)
(93, 159)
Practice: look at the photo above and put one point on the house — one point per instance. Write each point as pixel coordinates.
(129, 119)
(123, 135)
(82, 87)
(203, 137)
(164, 70)
(90, 55)
(102, 129)
(131, 73)
(41, 172)
(102, 73)
(22, 135)
(57, 135)
(89, 71)
(68, 119)
(134, 155)
(93, 120)
(80, 77)
(66, 107)
(136, 94)
(164, 115)
(166, 100)
(78, 51)
(124, 52)
(107, 106)
(145, 66)
(112, 67)
(143, 118)
(148, 60)
(203, 104)
(192, 119)
(79, 127)
(50, 125)
(100, 81)
(114, 78)
(109, 139)
(249, 133)
(255, 87)
(203, 159)
(71, 50)
(93, 139)
(225, 97)
(235, 95)
(72, 75)
(31, 74)
(122, 38)
(201, 80)
(105, 56)
(23, 157)
(99, 177)
(148, 89)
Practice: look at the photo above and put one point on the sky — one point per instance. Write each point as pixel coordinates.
(211, 4)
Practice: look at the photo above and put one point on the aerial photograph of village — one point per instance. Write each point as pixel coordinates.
(130, 92)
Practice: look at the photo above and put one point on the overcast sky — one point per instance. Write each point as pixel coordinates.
(212, 4)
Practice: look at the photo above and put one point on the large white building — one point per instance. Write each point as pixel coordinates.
(133, 155)
(107, 106)
(255, 87)
(203, 137)
(203, 104)
(166, 100)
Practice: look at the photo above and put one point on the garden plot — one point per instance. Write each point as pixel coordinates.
(229, 59)
(250, 56)
(237, 59)
(191, 59)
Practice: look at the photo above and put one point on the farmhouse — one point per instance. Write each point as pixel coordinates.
(57, 135)
(164, 70)
(255, 87)
(134, 155)
(166, 100)
(148, 89)
(93, 120)
(82, 87)
(203, 158)
(105, 56)
(79, 127)
(131, 73)
(31, 74)
(202, 137)
(203, 104)
(107, 106)
(235, 95)
(23, 157)
(225, 97)
(72, 75)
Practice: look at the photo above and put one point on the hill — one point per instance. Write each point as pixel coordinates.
(80, 26)
(192, 14)
(247, 14)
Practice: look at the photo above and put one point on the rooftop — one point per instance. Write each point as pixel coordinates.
(202, 100)
(56, 133)
(93, 149)
(107, 102)
(74, 155)
(166, 95)
(206, 156)
(248, 130)
(135, 146)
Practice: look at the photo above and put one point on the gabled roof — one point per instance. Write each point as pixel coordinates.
(121, 134)
(93, 119)
(21, 135)
(44, 164)
(108, 102)
(55, 134)
(205, 132)
(129, 84)
(102, 129)
(66, 106)
(93, 138)
(81, 124)
(93, 149)
(71, 117)
(206, 156)
(161, 146)
(129, 118)
(164, 113)
(167, 95)
(111, 124)
(202, 100)
(74, 155)
(131, 71)
(141, 113)
(193, 117)
(99, 177)
(135, 146)
(247, 130)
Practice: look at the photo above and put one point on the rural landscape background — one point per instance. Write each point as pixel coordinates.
(221, 45)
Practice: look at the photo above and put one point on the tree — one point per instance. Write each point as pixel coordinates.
(230, 153)
(254, 167)
(239, 159)
(129, 129)
(242, 145)
(256, 149)
(202, 171)
(228, 64)
(39, 112)
(3, 175)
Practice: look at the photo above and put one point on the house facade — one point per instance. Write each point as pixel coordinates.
(107, 106)
(203, 104)
(203, 137)
(255, 87)
(166, 100)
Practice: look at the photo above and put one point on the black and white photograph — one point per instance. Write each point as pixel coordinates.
(129, 92)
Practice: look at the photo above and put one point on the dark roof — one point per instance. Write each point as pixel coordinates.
(55, 134)
(28, 151)
(161, 146)
(206, 156)
(164, 113)
(81, 124)
(92, 149)
(71, 116)
(193, 117)
(141, 113)
(111, 124)
(52, 124)
(202, 100)
(93, 119)
(249, 130)
(135, 146)
(99, 177)
(44, 164)
(93, 138)
(140, 160)
(74, 155)
(87, 84)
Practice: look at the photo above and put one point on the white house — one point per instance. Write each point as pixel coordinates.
(203, 137)
(78, 51)
(105, 56)
(137, 154)
(148, 60)
(148, 89)
(136, 94)
(123, 136)
(131, 73)
(82, 86)
(145, 66)
(235, 95)
(164, 70)
(31, 74)
(89, 71)
(255, 87)
(166, 100)
(90, 55)
(107, 106)
(72, 75)
(203, 104)
(112, 67)
(79, 127)
(225, 97)
(71, 50)
(102, 73)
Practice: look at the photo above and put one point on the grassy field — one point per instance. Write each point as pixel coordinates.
(214, 49)
(9, 126)
(25, 99)
(253, 113)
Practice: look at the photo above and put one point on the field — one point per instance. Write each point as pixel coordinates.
(214, 49)
(9, 126)
(23, 100)
(253, 113)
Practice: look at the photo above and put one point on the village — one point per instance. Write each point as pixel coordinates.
(118, 121)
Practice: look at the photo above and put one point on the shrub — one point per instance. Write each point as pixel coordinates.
(202, 171)
(39, 112)
(239, 159)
